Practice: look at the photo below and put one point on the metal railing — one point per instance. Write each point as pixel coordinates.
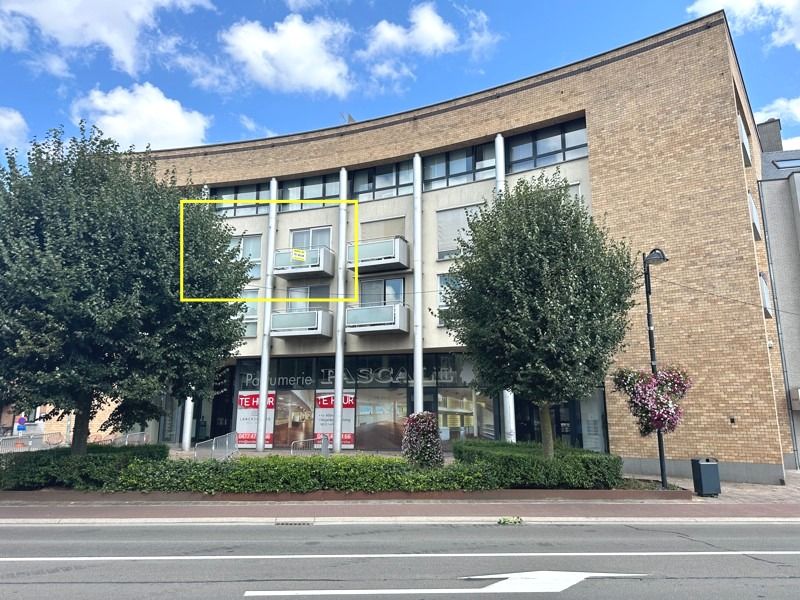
(131, 439)
(307, 447)
(31, 443)
(218, 448)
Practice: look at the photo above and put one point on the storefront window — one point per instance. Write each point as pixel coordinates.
(464, 413)
(380, 414)
(294, 417)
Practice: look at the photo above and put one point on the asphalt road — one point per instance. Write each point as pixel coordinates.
(226, 561)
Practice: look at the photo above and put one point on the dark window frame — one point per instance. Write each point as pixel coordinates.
(448, 174)
(238, 209)
(397, 187)
(327, 178)
(542, 160)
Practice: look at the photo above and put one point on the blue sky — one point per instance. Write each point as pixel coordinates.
(187, 72)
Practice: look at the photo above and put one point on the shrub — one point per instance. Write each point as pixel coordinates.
(422, 445)
(57, 467)
(524, 465)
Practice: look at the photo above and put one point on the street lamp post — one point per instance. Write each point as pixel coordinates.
(655, 257)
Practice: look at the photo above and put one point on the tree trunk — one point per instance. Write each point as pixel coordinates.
(546, 421)
(80, 432)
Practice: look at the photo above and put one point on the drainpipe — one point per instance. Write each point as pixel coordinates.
(263, 378)
(509, 418)
(418, 298)
(780, 330)
(341, 287)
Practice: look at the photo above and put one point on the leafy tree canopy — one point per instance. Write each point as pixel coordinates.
(539, 295)
(89, 305)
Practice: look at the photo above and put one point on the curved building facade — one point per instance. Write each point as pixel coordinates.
(658, 138)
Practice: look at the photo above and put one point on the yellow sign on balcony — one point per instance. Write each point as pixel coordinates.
(298, 255)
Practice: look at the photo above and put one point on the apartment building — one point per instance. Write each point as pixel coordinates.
(658, 139)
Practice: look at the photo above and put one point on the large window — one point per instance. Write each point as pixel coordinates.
(458, 166)
(250, 248)
(251, 313)
(382, 291)
(241, 192)
(546, 146)
(315, 237)
(306, 292)
(450, 225)
(383, 181)
(310, 188)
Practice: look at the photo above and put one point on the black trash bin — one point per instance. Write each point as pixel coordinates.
(705, 472)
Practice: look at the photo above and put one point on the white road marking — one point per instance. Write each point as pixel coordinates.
(511, 583)
(16, 559)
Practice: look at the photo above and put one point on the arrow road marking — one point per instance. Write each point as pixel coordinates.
(511, 583)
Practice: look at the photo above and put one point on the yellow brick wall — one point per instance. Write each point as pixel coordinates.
(666, 171)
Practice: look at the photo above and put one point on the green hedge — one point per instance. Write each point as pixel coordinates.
(524, 465)
(58, 468)
(301, 474)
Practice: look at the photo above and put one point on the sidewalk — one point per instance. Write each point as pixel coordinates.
(738, 502)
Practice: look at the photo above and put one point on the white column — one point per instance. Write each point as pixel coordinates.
(263, 378)
(509, 417)
(418, 298)
(341, 288)
(188, 415)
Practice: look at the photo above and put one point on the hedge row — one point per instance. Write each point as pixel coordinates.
(524, 465)
(57, 468)
(480, 466)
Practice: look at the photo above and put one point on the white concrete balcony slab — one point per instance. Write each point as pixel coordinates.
(377, 318)
(305, 323)
(319, 261)
(383, 254)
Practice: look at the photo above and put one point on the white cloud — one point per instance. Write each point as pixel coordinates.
(52, 64)
(252, 127)
(116, 25)
(389, 76)
(206, 74)
(301, 5)
(13, 32)
(792, 143)
(13, 129)
(293, 56)
(785, 109)
(481, 40)
(427, 34)
(781, 16)
(142, 115)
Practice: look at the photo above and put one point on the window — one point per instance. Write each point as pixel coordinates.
(242, 192)
(766, 297)
(382, 291)
(383, 181)
(756, 222)
(789, 163)
(744, 138)
(450, 224)
(310, 291)
(458, 166)
(547, 146)
(385, 228)
(445, 280)
(312, 238)
(250, 318)
(309, 188)
(250, 248)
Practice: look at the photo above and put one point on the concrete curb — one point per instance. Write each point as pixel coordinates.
(406, 520)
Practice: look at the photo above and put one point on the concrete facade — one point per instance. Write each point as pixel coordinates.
(673, 153)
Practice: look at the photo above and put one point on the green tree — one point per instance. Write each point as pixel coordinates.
(89, 305)
(539, 296)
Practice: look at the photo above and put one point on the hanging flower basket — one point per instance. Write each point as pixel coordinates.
(654, 400)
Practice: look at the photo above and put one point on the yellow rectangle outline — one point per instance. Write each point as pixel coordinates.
(185, 201)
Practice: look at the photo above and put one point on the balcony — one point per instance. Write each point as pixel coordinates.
(319, 261)
(377, 318)
(305, 323)
(384, 254)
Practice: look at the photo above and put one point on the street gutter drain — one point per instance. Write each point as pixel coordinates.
(293, 523)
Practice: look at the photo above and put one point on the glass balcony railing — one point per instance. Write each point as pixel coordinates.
(296, 262)
(379, 254)
(287, 258)
(302, 322)
(376, 317)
